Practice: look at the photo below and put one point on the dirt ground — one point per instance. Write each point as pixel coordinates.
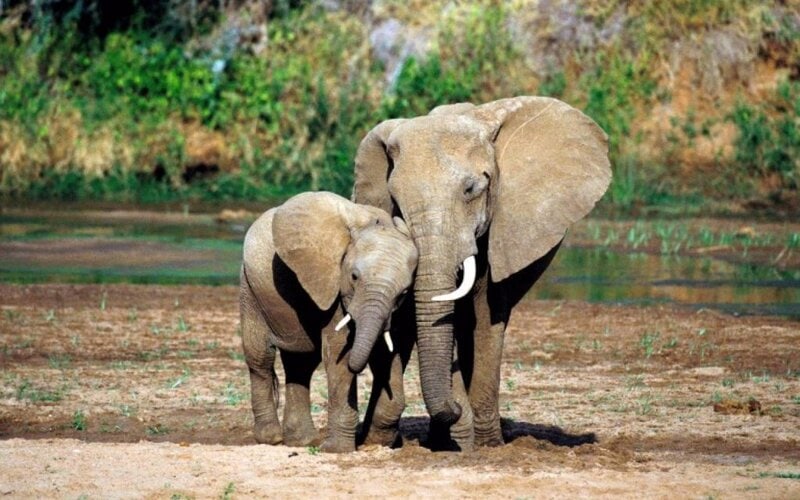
(141, 391)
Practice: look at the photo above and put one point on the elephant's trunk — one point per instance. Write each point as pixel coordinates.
(370, 324)
(435, 335)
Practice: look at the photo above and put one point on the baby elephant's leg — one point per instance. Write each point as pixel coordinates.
(260, 358)
(342, 396)
(298, 428)
(387, 400)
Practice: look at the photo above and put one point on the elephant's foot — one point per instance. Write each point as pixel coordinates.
(300, 436)
(389, 437)
(459, 437)
(488, 432)
(268, 433)
(333, 444)
(491, 438)
(456, 438)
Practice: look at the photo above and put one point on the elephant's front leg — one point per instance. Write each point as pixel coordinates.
(484, 380)
(460, 436)
(342, 395)
(387, 400)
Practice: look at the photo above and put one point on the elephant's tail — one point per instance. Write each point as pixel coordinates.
(276, 385)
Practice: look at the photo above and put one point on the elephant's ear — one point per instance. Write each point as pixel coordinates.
(373, 165)
(311, 235)
(553, 167)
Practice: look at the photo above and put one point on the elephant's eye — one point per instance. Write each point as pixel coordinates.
(473, 187)
(354, 276)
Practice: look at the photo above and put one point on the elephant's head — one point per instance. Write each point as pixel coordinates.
(356, 252)
(518, 170)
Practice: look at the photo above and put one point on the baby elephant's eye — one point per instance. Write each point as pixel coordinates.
(354, 276)
(474, 186)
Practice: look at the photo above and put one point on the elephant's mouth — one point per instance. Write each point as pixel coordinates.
(466, 283)
(386, 328)
(365, 340)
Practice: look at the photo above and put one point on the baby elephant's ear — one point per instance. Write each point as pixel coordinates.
(311, 236)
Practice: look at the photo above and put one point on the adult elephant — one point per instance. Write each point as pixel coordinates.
(494, 187)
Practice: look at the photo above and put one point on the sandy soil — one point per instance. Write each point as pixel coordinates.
(141, 391)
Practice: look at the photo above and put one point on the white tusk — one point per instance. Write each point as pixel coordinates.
(466, 283)
(343, 322)
(388, 339)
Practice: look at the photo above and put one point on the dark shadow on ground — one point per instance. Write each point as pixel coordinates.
(416, 429)
(195, 426)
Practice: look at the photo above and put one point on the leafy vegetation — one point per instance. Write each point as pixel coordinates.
(147, 105)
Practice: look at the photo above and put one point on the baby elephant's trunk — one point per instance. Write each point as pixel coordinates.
(369, 326)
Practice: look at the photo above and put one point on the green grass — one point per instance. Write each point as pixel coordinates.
(648, 343)
(228, 492)
(781, 475)
(27, 391)
(157, 430)
(59, 361)
(79, 421)
(180, 380)
(232, 395)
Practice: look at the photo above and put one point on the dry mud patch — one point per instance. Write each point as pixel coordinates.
(141, 391)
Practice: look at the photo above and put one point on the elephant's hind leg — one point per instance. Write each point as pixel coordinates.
(298, 428)
(260, 358)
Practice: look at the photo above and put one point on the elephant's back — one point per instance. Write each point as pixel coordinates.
(285, 304)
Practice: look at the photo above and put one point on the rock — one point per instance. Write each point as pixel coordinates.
(709, 371)
(733, 407)
(549, 32)
(228, 215)
(393, 43)
(715, 59)
(746, 232)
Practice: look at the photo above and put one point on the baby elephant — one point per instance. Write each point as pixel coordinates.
(302, 260)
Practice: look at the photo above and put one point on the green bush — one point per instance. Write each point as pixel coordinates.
(768, 142)
(98, 107)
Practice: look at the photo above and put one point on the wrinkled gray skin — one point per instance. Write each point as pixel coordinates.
(501, 182)
(304, 262)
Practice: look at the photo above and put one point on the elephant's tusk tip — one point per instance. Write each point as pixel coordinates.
(343, 322)
(388, 339)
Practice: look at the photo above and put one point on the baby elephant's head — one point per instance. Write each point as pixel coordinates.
(377, 272)
(354, 252)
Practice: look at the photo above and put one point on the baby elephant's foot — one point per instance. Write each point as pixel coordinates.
(338, 445)
(300, 437)
(268, 433)
(383, 437)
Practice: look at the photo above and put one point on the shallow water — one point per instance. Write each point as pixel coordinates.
(598, 275)
(140, 247)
